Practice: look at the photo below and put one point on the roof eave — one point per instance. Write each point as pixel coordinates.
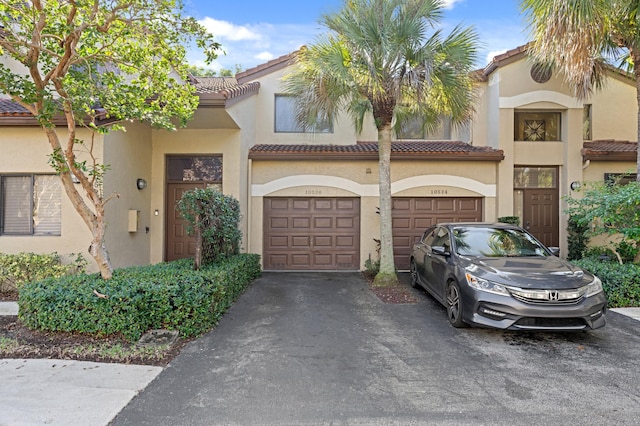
(609, 156)
(373, 156)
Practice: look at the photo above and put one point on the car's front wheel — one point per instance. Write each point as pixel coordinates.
(413, 268)
(454, 305)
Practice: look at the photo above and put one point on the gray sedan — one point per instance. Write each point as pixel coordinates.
(499, 275)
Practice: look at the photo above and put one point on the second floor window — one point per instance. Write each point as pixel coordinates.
(285, 118)
(537, 126)
(30, 205)
(413, 129)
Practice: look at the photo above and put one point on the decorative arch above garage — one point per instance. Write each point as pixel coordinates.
(371, 190)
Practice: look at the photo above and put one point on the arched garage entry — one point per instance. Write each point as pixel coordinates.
(323, 233)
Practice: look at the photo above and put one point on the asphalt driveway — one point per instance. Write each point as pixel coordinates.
(320, 348)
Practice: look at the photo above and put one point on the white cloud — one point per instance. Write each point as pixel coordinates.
(227, 31)
(248, 46)
(265, 56)
(448, 4)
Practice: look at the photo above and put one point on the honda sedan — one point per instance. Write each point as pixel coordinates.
(499, 275)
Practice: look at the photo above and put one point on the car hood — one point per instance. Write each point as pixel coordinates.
(529, 272)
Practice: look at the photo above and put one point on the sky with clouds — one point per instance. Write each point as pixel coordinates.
(253, 32)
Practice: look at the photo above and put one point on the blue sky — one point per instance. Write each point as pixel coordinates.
(253, 32)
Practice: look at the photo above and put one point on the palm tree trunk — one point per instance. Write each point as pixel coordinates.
(387, 274)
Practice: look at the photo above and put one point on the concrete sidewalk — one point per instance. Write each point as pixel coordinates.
(63, 392)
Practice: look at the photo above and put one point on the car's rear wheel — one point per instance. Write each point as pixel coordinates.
(454, 305)
(413, 268)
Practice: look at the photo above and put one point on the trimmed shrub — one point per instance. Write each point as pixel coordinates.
(213, 218)
(577, 239)
(513, 220)
(137, 299)
(621, 283)
(17, 269)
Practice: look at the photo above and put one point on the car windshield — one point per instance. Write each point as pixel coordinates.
(496, 242)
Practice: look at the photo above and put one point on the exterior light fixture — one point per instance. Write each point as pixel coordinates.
(141, 183)
(575, 185)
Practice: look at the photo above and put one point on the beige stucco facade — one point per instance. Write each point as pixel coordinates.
(231, 126)
(360, 179)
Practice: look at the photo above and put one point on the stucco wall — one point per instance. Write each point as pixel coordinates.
(343, 129)
(191, 141)
(129, 156)
(26, 150)
(594, 170)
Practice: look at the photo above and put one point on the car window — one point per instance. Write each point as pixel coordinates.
(496, 242)
(441, 238)
(428, 236)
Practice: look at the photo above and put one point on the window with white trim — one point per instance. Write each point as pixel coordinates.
(30, 205)
(537, 126)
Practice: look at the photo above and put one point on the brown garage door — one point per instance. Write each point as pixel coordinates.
(411, 216)
(311, 233)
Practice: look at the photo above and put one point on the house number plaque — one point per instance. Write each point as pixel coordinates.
(439, 192)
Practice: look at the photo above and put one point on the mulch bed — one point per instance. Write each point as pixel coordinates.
(397, 294)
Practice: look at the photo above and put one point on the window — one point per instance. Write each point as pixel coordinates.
(285, 118)
(537, 126)
(586, 122)
(619, 178)
(535, 177)
(30, 205)
(413, 129)
(206, 169)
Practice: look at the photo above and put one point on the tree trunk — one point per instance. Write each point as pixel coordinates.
(197, 261)
(92, 217)
(387, 274)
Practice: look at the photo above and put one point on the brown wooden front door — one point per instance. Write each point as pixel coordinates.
(178, 243)
(541, 214)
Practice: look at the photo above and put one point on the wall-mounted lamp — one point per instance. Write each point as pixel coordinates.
(141, 183)
(575, 185)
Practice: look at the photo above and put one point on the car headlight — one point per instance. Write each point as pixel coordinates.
(594, 287)
(484, 285)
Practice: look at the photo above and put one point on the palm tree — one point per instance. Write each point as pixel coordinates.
(576, 36)
(385, 57)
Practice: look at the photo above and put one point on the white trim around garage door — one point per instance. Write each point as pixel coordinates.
(371, 190)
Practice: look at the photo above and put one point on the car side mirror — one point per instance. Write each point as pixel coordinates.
(554, 251)
(440, 250)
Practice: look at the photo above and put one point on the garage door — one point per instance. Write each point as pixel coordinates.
(411, 216)
(311, 233)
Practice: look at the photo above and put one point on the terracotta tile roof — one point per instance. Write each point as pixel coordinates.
(213, 84)
(609, 150)
(10, 108)
(220, 90)
(225, 90)
(520, 52)
(400, 150)
(266, 68)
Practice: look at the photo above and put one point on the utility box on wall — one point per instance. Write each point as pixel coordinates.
(134, 219)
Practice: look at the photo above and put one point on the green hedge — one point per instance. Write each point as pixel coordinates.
(168, 295)
(621, 283)
(17, 269)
